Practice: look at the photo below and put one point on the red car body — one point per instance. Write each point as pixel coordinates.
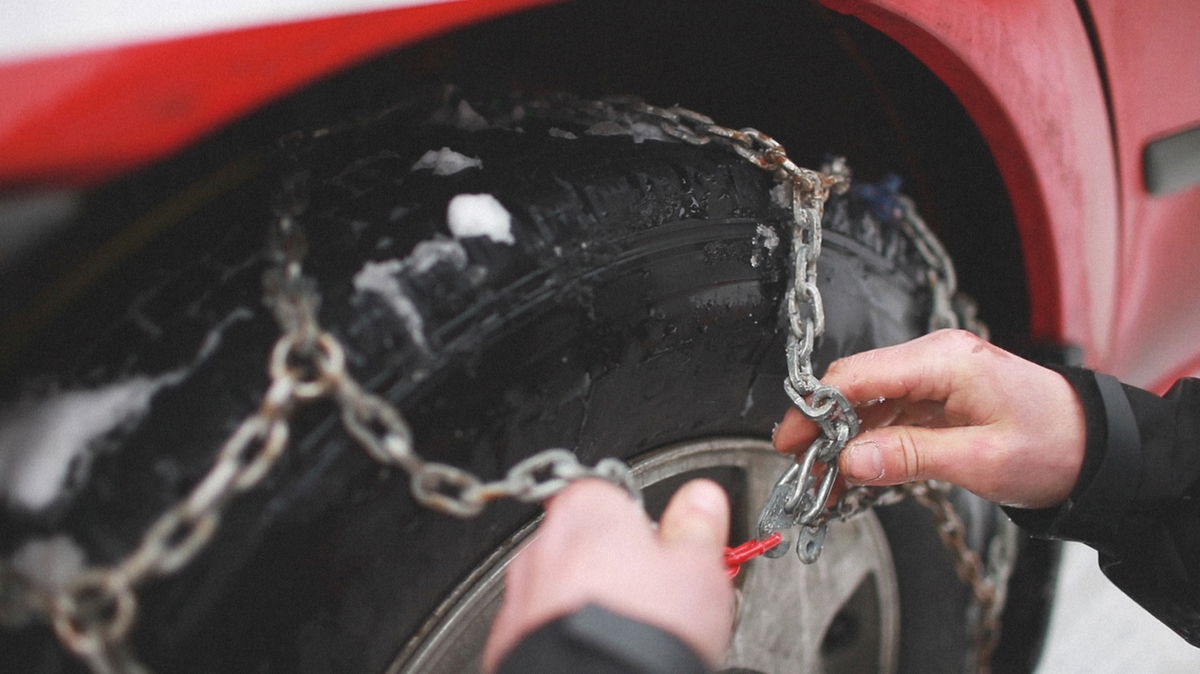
(1068, 97)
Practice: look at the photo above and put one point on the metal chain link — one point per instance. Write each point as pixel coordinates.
(95, 613)
(798, 499)
(988, 581)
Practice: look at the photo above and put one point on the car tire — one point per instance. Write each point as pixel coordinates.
(632, 303)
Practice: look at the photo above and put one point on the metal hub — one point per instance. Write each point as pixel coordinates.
(840, 614)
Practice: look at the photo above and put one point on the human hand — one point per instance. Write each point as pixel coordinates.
(957, 409)
(596, 545)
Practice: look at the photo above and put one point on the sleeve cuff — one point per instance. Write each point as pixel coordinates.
(1108, 479)
(594, 640)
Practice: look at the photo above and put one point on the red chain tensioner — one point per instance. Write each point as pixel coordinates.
(735, 557)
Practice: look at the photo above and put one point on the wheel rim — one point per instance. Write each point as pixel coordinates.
(840, 614)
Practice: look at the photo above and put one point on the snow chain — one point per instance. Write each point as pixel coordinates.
(94, 614)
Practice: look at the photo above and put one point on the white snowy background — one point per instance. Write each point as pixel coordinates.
(1095, 628)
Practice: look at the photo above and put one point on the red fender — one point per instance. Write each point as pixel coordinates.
(1023, 69)
(79, 118)
(1025, 72)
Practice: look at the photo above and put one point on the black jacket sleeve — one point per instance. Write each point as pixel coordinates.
(1136, 497)
(594, 640)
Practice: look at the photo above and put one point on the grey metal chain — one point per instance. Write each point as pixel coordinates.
(798, 500)
(94, 614)
(988, 580)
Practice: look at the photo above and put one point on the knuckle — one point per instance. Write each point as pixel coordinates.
(912, 460)
(958, 340)
(972, 355)
(847, 369)
(837, 366)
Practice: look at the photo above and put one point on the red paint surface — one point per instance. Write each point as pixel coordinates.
(1025, 73)
(1153, 60)
(79, 118)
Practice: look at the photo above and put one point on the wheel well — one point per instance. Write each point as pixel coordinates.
(819, 81)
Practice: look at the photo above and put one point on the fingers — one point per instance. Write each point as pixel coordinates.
(966, 456)
(697, 513)
(693, 532)
(926, 368)
(589, 505)
(957, 409)
(596, 545)
(585, 524)
(915, 378)
(603, 498)
(903, 453)
(506, 630)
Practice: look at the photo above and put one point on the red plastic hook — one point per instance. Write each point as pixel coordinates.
(736, 556)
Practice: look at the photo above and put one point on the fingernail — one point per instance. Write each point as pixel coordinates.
(864, 461)
(706, 497)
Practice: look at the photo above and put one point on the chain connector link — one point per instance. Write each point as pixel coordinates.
(95, 612)
(316, 371)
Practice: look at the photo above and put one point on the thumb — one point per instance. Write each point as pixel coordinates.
(697, 513)
(898, 454)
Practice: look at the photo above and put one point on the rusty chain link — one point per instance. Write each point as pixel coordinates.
(94, 614)
(988, 581)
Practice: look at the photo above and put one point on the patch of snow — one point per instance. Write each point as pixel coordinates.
(445, 162)
(429, 253)
(471, 215)
(767, 238)
(748, 404)
(606, 128)
(51, 563)
(461, 116)
(556, 132)
(643, 131)
(212, 340)
(46, 439)
(467, 119)
(41, 440)
(640, 131)
(380, 278)
(1094, 627)
(383, 280)
(476, 274)
(781, 194)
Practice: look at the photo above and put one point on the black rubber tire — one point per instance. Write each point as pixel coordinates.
(638, 306)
